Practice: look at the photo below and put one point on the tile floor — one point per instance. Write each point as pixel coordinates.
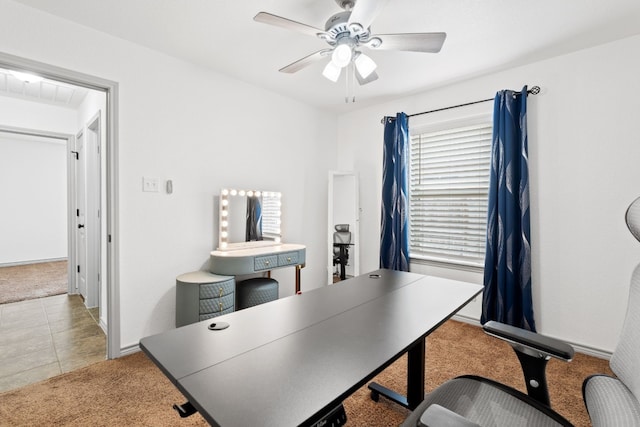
(45, 337)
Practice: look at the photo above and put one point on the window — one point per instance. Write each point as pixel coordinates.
(271, 216)
(449, 182)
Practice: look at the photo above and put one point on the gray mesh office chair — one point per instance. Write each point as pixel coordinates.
(614, 401)
(341, 242)
(471, 401)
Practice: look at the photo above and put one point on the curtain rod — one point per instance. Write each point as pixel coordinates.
(533, 91)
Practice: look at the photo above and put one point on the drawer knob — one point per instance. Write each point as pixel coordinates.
(288, 259)
(266, 263)
(220, 292)
(220, 305)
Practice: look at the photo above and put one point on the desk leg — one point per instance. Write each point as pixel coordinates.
(415, 380)
(298, 268)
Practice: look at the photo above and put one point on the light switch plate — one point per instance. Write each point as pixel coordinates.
(150, 184)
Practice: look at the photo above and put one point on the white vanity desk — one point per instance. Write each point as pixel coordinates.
(258, 259)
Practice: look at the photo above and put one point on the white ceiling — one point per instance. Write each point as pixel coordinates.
(482, 36)
(44, 91)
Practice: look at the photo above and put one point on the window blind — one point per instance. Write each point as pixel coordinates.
(449, 181)
(270, 216)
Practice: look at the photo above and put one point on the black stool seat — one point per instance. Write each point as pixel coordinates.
(256, 291)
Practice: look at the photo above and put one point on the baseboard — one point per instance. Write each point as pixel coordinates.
(590, 351)
(103, 326)
(579, 348)
(35, 261)
(128, 350)
(465, 319)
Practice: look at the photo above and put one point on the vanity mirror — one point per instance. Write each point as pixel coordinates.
(249, 218)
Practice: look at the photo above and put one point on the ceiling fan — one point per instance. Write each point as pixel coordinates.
(349, 31)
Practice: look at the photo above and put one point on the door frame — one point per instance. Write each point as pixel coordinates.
(92, 139)
(355, 212)
(92, 221)
(111, 236)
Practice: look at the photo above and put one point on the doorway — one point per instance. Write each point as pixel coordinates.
(343, 228)
(33, 248)
(48, 327)
(107, 124)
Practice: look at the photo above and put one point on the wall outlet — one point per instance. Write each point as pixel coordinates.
(150, 184)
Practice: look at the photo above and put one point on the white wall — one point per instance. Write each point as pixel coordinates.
(584, 149)
(36, 168)
(33, 218)
(24, 114)
(202, 130)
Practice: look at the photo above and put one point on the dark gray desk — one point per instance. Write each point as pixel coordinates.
(288, 362)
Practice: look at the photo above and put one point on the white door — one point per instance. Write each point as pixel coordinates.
(92, 213)
(81, 208)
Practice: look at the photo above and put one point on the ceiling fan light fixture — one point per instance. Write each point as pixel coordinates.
(26, 77)
(356, 28)
(365, 65)
(342, 55)
(374, 43)
(332, 71)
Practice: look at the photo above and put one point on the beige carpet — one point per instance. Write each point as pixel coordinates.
(30, 281)
(131, 391)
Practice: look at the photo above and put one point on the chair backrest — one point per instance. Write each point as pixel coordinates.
(625, 361)
(342, 234)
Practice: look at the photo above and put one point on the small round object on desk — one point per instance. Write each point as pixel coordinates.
(256, 291)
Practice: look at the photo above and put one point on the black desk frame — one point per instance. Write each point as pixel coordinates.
(415, 380)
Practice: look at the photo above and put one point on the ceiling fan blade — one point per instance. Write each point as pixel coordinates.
(305, 62)
(414, 42)
(278, 21)
(363, 81)
(363, 14)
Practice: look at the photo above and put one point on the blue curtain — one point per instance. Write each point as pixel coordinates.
(394, 234)
(507, 269)
(253, 229)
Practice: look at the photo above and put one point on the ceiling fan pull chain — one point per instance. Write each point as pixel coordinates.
(352, 76)
(346, 85)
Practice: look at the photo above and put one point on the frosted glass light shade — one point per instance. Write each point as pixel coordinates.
(332, 71)
(365, 65)
(342, 55)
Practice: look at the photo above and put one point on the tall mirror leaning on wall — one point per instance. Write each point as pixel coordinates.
(249, 218)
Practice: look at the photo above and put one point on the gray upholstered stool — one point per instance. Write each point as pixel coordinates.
(256, 291)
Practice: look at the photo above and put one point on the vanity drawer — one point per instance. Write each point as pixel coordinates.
(200, 293)
(289, 258)
(220, 313)
(266, 262)
(216, 305)
(217, 290)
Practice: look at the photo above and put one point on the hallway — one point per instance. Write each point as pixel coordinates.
(45, 337)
